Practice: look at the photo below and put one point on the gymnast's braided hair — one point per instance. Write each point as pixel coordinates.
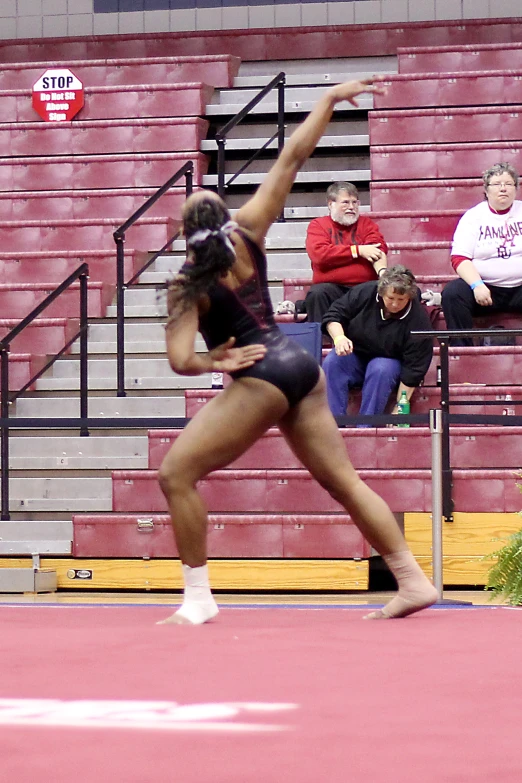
(206, 226)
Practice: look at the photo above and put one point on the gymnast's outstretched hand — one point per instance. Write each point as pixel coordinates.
(225, 358)
(348, 91)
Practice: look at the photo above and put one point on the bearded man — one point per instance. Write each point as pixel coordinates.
(345, 249)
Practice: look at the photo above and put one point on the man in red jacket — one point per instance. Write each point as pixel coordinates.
(345, 249)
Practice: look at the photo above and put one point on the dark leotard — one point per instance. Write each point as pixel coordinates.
(246, 313)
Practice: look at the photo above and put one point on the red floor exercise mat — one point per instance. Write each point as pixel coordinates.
(276, 695)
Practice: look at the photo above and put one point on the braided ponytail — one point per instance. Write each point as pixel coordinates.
(207, 226)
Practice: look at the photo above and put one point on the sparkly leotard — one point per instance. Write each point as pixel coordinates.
(246, 313)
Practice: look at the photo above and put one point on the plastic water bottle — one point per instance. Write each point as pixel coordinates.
(403, 407)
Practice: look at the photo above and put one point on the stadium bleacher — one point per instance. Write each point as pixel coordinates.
(65, 188)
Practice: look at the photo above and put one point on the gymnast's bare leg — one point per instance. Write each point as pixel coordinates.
(217, 435)
(314, 437)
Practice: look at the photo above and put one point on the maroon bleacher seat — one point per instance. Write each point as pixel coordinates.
(453, 194)
(430, 261)
(91, 137)
(490, 366)
(87, 204)
(470, 57)
(48, 266)
(297, 288)
(417, 225)
(42, 336)
(18, 299)
(229, 535)
(261, 44)
(96, 171)
(113, 102)
(23, 367)
(487, 447)
(146, 234)
(427, 397)
(440, 161)
(494, 490)
(195, 399)
(456, 88)
(270, 491)
(216, 70)
(503, 320)
(445, 126)
(425, 259)
(374, 448)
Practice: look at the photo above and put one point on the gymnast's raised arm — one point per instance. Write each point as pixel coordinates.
(260, 211)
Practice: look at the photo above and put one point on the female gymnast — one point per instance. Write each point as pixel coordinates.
(222, 292)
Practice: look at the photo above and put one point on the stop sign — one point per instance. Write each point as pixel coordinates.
(57, 95)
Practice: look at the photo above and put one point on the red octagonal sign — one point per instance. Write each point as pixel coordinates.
(57, 95)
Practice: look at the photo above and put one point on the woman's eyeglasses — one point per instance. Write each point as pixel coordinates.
(499, 185)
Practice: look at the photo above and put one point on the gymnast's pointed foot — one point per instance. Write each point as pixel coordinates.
(198, 605)
(416, 592)
(403, 605)
(192, 613)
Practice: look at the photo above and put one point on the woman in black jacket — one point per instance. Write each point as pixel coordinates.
(371, 328)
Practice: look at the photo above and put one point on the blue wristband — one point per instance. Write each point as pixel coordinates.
(476, 283)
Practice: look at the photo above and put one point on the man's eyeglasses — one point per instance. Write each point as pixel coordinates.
(499, 185)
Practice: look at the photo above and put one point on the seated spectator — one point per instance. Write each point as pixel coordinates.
(345, 249)
(371, 329)
(487, 255)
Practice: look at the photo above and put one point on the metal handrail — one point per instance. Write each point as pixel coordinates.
(444, 337)
(187, 171)
(5, 398)
(278, 81)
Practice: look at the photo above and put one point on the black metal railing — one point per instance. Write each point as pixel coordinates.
(119, 237)
(278, 82)
(84, 423)
(8, 397)
(448, 418)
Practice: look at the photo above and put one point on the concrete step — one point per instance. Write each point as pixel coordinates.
(57, 494)
(139, 311)
(139, 338)
(280, 265)
(157, 276)
(43, 537)
(296, 100)
(325, 78)
(332, 160)
(307, 213)
(28, 580)
(72, 451)
(305, 92)
(265, 127)
(303, 178)
(251, 143)
(102, 407)
(141, 302)
(144, 373)
(105, 367)
(345, 67)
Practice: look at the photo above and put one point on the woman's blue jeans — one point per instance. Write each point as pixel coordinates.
(378, 377)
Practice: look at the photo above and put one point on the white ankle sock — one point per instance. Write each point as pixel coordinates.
(415, 589)
(198, 602)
